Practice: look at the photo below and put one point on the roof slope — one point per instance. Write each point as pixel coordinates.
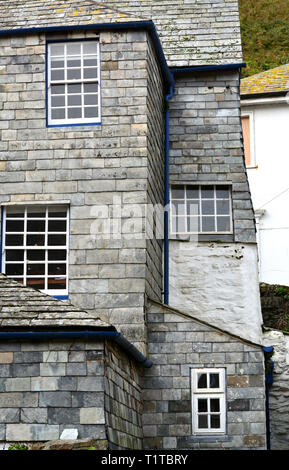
(16, 14)
(192, 32)
(26, 307)
(273, 80)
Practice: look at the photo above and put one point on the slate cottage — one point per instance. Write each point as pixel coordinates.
(129, 296)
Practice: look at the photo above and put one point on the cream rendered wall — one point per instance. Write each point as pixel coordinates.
(217, 283)
(269, 185)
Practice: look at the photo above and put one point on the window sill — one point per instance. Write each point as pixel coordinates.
(186, 441)
(203, 238)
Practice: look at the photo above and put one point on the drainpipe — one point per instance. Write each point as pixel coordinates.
(83, 334)
(269, 366)
(167, 196)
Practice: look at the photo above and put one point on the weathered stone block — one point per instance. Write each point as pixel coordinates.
(31, 432)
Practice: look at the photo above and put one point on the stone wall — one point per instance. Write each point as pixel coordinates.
(47, 387)
(123, 405)
(99, 171)
(278, 391)
(178, 343)
(206, 144)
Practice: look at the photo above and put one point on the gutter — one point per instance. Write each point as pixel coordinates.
(208, 68)
(86, 334)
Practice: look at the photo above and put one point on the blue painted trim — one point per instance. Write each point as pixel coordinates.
(1, 241)
(61, 297)
(86, 334)
(268, 380)
(208, 68)
(167, 197)
(73, 125)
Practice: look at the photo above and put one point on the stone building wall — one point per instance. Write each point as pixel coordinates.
(99, 171)
(206, 144)
(47, 387)
(177, 344)
(123, 405)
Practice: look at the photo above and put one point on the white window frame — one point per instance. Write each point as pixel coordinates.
(207, 394)
(82, 81)
(215, 215)
(250, 115)
(45, 247)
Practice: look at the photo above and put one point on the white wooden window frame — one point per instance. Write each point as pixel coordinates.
(186, 216)
(66, 82)
(208, 394)
(46, 247)
(250, 115)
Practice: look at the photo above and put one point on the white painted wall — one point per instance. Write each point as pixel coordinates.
(217, 283)
(269, 185)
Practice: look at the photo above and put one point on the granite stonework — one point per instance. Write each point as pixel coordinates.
(69, 384)
(178, 343)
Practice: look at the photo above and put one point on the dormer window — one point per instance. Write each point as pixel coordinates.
(73, 76)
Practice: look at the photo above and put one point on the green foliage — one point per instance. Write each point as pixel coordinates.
(18, 447)
(264, 31)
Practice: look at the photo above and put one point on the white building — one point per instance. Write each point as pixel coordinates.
(265, 119)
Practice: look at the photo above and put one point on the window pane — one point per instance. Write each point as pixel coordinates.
(57, 225)
(57, 64)
(74, 89)
(207, 192)
(35, 255)
(192, 192)
(73, 74)
(56, 240)
(56, 269)
(193, 208)
(73, 49)
(36, 283)
(90, 73)
(74, 63)
(14, 269)
(90, 99)
(202, 405)
(89, 47)
(13, 212)
(223, 224)
(56, 49)
(57, 74)
(215, 404)
(90, 88)
(90, 112)
(57, 211)
(202, 380)
(56, 283)
(14, 240)
(214, 381)
(35, 225)
(215, 421)
(208, 224)
(193, 224)
(181, 224)
(222, 192)
(178, 192)
(35, 240)
(208, 207)
(14, 255)
(74, 100)
(55, 255)
(90, 62)
(58, 113)
(203, 422)
(35, 212)
(74, 113)
(35, 269)
(14, 225)
(223, 207)
(57, 101)
(57, 89)
(178, 207)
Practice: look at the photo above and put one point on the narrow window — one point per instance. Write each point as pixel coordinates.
(201, 209)
(208, 401)
(35, 247)
(248, 138)
(73, 82)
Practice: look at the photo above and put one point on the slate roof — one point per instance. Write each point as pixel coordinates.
(26, 307)
(192, 32)
(270, 81)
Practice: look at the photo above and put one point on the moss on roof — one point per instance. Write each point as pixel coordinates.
(273, 80)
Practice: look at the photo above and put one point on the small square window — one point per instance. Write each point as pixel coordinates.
(201, 209)
(73, 83)
(208, 401)
(35, 251)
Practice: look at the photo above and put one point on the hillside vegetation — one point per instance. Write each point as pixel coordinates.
(265, 34)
